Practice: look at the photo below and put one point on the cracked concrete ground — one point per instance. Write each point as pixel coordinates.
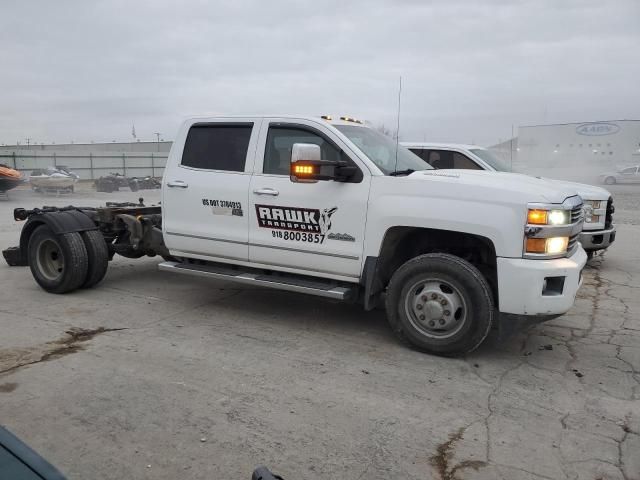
(208, 380)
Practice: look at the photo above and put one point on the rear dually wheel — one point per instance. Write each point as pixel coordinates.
(58, 263)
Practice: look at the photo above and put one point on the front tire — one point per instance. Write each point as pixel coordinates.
(610, 180)
(58, 263)
(440, 304)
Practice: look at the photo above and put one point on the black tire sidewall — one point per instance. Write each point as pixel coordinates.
(74, 255)
(470, 283)
(98, 255)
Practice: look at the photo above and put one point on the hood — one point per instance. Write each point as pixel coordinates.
(512, 185)
(587, 192)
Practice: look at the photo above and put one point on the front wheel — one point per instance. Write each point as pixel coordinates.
(440, 304)
(610, 180)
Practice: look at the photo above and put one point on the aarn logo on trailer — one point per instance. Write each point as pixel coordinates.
(597, 128)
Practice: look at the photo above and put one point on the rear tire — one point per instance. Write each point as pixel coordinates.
(58, 263)
(98, 255)
(440, 304)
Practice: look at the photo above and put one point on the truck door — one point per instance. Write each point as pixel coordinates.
(205, 190)
(308, 227)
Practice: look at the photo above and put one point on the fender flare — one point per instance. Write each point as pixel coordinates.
(66, 221)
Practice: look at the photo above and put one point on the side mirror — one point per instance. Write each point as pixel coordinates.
(307, 167)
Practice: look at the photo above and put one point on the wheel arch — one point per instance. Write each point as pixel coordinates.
(59, 223)
(400, 244)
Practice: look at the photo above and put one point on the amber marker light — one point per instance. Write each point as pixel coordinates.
(537, 217)
(303, 170)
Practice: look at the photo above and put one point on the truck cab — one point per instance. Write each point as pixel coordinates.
(598, 232)
(333, 208)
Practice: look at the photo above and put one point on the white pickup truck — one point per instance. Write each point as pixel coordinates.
(335, 209)
(598, 231)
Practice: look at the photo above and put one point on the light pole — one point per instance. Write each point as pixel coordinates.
(157, 134)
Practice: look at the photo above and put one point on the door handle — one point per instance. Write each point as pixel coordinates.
(266, 191)
(177, 184)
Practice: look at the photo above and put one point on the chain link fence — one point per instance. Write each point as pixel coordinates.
(90, 166)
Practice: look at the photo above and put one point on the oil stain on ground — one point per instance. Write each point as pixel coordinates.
(13, 358)
(8, 387)
(441, 461)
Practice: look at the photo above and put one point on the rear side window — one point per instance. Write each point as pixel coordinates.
(447, 159)
(461, 161)
(217, 146)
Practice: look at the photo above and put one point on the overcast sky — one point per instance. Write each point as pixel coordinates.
(85, 70)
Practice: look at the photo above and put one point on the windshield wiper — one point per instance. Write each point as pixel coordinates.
(398, 173)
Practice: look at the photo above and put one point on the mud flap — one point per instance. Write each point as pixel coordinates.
(14, 257)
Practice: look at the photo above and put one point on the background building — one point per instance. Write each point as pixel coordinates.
(578, 150)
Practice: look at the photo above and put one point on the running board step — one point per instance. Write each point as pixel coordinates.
(292, 283)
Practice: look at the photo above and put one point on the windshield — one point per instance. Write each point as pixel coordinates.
(491, 159)
(381, 150)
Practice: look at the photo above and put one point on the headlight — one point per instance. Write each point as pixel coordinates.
(537, 216)
(548, 246)
(588, 208)
(559, 217)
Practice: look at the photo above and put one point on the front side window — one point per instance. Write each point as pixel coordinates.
(280, 140)
(217, 146)
(629, 170)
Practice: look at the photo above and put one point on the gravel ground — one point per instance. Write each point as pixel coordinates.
(158, 376)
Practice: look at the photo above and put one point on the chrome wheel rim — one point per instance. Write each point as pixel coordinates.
(50, 260)
(436, 308)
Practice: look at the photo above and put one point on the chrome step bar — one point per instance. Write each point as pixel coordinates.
(290, 282)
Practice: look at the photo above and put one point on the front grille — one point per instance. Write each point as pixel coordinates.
(576, 214)
(608, 219)
(573, 241)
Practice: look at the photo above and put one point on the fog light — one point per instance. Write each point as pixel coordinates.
(557, 245)
(550, 246)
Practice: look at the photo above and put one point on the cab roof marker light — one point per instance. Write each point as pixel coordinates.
(326, 117)
(350, 119)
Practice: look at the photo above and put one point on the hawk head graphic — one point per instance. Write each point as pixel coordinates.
(325, 219)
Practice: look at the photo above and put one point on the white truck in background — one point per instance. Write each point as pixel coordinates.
(598, 231)
(335, 209)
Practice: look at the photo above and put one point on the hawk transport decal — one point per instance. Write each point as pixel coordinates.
(293, 223)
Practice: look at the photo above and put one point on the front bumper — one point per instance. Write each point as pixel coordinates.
(597, 239)
(539, 287)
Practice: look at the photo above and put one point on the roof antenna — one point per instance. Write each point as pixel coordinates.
(398, 125)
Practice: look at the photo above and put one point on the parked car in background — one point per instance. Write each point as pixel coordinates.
(624, 175)
(598, 230)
